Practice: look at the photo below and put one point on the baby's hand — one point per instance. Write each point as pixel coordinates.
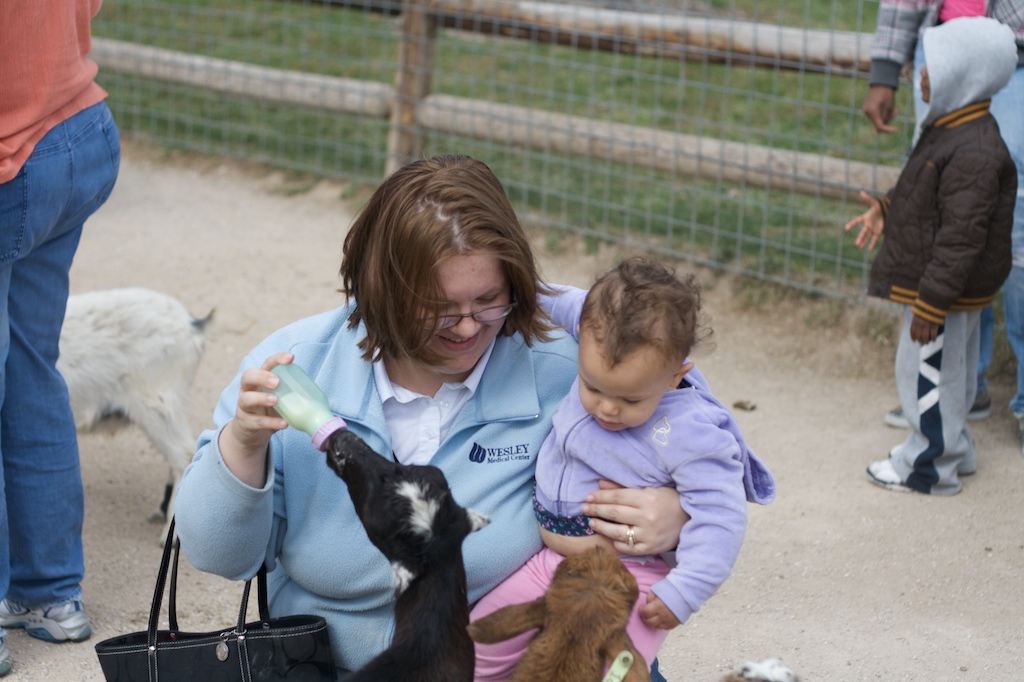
(656, 615)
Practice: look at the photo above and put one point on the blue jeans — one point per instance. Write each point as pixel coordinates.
(69, 175)
(1008, 110)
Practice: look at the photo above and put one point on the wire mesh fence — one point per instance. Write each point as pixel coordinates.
(724, 132)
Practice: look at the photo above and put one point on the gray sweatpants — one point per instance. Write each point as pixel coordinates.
(937, 383)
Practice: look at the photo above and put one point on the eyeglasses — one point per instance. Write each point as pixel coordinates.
(493, 314)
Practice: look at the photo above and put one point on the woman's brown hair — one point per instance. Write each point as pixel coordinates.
(420, 215)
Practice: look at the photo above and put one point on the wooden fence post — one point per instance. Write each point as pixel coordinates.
(406, 139)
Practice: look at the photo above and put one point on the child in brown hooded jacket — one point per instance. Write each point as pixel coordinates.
(946, 251)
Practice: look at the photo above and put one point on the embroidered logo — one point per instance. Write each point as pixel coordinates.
(477, 454)
(659, 431)
(480, 454)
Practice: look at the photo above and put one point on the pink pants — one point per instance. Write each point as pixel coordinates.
(495, 662)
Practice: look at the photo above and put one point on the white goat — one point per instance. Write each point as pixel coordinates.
(132, 354)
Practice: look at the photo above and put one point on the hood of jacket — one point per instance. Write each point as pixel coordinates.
(969, 59)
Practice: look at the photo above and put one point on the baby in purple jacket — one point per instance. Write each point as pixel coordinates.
(641, 415)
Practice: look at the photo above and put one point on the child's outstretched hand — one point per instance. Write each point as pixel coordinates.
(871, 222)
(656, 615)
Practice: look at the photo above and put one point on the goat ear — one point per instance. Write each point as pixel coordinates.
(508, 621)
(477, 520)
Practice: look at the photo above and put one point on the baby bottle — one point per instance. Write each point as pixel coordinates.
(303, 405)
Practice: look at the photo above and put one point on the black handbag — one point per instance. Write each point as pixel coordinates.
(288, 648)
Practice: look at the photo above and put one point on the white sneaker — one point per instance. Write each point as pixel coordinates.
(64, 622)
(896, 419)
(882, 474)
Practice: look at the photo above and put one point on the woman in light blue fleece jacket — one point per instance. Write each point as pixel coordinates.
(440, 356)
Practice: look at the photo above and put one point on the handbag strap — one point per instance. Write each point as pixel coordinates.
(172, 601)
(264, 610)
(158, 593)
(261, 592)
(172, 598)
(261, 596)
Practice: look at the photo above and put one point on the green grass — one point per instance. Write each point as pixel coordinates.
(290, 137)
(844, 16)
(800, 243)
(778, 235)
(803, 111)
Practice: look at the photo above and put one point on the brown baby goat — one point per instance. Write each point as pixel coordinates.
(581, 622)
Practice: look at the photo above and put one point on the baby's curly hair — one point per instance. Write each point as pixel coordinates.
(642, 303)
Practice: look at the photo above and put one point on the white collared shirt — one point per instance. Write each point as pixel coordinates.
(418, 423)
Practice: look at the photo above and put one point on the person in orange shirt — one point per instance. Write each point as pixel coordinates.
(59, 158)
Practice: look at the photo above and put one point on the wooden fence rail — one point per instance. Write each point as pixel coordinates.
(413, 110)
(629, 31)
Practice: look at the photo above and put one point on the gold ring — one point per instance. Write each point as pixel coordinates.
(630, 536)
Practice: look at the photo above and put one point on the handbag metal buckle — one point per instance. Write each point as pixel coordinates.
(222, 647)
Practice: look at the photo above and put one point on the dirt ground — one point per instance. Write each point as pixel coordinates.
(839, 579)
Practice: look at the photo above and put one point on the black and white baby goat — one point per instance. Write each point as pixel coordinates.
(130, 355)
(410, 516)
